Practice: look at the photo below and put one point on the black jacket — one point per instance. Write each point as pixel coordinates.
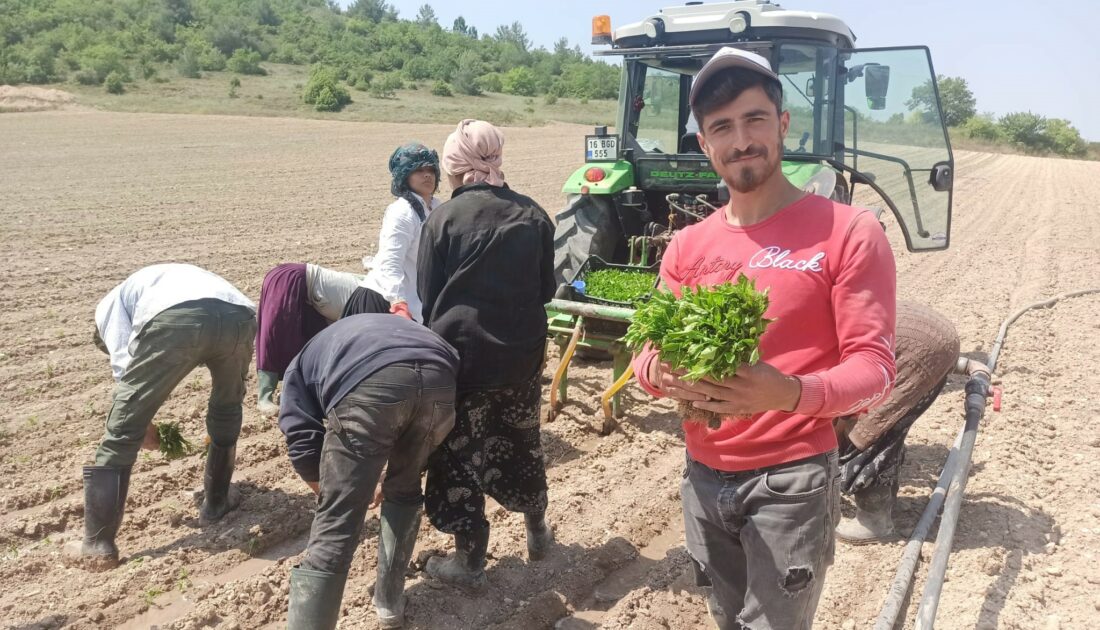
(334, 362)
(485, 271)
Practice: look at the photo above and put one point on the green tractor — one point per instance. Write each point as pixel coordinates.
(859, 117)
(867, 118)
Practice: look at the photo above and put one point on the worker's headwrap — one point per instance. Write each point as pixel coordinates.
(473, 152)
(405, 160)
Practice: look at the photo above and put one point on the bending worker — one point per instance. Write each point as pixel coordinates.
(158, 325)
(370, 389)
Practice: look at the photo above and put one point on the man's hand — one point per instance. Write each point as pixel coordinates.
(402, 309)
(377, 500)
(753, 389)
(152, 439)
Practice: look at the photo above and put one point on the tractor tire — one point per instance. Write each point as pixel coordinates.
(586, 227)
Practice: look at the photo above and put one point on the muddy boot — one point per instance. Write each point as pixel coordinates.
(265, 399)
(105, 490)
(874, 521)
(315, 598)
(395, 546)
(217, 500)
(466, 568)
(539, 535)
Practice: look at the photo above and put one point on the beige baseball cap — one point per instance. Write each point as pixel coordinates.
(725, 59)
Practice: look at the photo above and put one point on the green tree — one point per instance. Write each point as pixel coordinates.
(245, 62)
(113, 83)
(1025, 129)
(323, 90)
(426, 16)
(519, 81)
(1064, 139)
(983, 127)
(514, 34)
(465, 77)
(459, 25)
(959, 104)
(372, 10)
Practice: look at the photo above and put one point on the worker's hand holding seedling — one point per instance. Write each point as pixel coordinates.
(708, 343)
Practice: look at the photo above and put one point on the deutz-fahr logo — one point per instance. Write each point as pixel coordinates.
(684, 174)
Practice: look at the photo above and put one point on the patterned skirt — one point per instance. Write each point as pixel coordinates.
(495, 448)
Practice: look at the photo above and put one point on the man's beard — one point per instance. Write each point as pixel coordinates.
(748, 178)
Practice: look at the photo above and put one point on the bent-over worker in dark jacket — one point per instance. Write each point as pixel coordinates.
(367, 390)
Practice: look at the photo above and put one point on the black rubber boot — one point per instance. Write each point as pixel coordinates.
(265, 398)
(217, 500)
(539, 535)
(395, 547)
(315, 598)
(105, 489)
(874, 520)
(466, 568)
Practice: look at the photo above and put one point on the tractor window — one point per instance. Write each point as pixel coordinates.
(659, 118)
(806, 73)
(894, 136)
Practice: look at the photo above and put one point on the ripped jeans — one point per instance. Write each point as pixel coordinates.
(762, 539)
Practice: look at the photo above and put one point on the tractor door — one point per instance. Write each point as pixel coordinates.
(895, 140)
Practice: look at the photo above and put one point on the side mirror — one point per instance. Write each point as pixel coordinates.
(876, 81)
(810, 87)
(941, 177)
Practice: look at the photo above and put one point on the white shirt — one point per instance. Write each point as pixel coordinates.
(392, 271)
(122, 314)
(329, 290)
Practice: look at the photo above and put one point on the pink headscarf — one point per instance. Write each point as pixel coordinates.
(473, 151)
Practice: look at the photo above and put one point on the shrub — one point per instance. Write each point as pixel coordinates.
(113, 83)
(245, 62)
(551, 99)
(188, 65)
(323, 90)
(440, 88)
(519, 81)
(491, 82)
(384, 87)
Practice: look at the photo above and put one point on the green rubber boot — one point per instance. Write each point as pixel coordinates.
(395, 547)
(265, 399)
(315, 598)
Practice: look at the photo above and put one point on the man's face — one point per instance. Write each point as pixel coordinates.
(744, 139)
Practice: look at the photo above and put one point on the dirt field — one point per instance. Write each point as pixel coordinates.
(87, 198)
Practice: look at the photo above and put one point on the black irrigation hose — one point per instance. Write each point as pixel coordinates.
(952, 483)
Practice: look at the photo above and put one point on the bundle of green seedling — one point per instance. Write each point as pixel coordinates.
(618, 285)
(172, 443)
(708, 332)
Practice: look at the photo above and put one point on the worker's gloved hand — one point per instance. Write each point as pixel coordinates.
(402, 309)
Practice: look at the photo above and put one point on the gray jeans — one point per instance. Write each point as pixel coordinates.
(763, 539)
(399, 415)
(177, 340)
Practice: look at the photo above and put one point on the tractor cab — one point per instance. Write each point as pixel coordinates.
(868, 117)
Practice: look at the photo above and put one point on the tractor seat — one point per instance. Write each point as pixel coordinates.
(689, 143)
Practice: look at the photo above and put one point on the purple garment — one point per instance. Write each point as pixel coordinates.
(285, 318)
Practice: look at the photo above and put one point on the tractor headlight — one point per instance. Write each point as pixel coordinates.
(738, 23)
(654, 28)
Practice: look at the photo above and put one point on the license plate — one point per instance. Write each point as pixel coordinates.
(601, 148)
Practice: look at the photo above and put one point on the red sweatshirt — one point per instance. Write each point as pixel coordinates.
(832, 280)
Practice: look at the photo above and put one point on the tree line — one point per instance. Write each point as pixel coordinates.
(1026, 131)
(87, 41)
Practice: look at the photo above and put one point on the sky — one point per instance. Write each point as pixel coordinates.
(1016, 56)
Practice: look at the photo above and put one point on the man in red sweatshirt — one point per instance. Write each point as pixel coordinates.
(760, 493)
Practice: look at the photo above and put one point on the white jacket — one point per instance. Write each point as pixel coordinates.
(392, 271)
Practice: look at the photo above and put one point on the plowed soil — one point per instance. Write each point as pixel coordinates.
(87, 198)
